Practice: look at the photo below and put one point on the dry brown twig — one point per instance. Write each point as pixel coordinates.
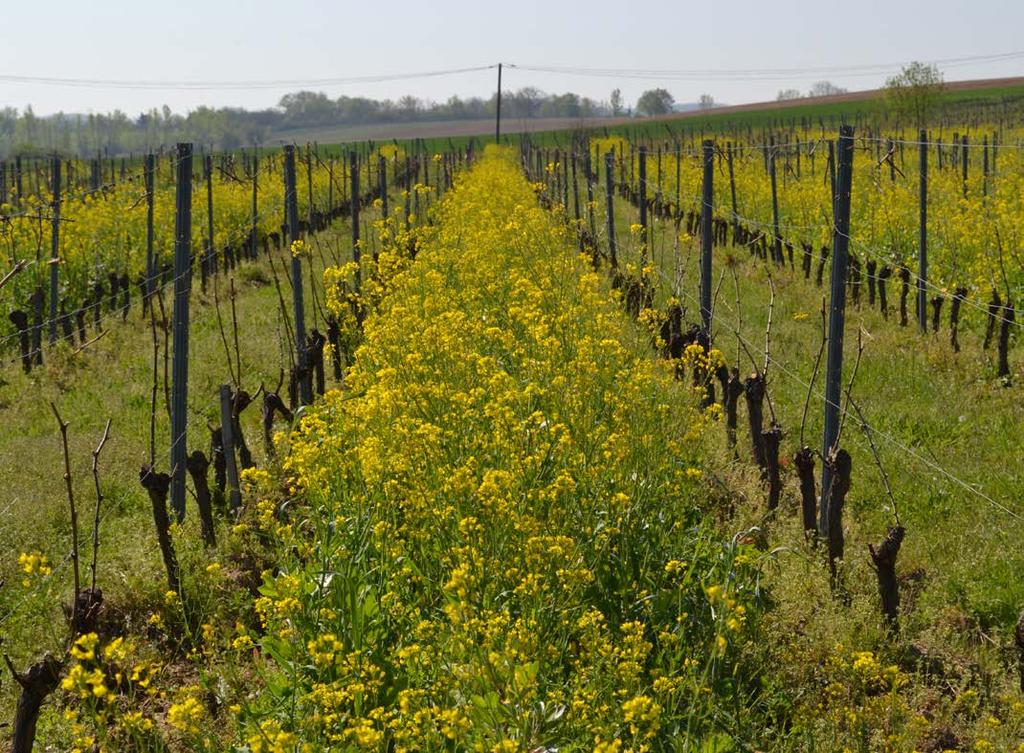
(223, 336)
(234, 327)
(767, 346)
(85, 345)
(18, 267)
(164, 325)
(814, 374)
(866, 428)
(99, 500)
(849, 386)
(74, 513)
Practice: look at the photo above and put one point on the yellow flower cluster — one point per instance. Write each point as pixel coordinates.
(481, 558)
(114, 691)
(33, 563)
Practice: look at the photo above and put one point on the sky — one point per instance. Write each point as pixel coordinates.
(779, 45)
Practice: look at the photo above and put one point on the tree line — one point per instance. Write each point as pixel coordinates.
(24, 132)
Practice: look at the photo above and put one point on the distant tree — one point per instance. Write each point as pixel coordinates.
(785, 94)
(356, 109)
(408, 107)
(561, 106)
(915, 91)
(526, 102)
(825, 89)
(309, 108)
(655, 102)
(616, 101)
(706, 101)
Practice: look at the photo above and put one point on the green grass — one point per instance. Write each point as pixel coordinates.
(112, 379)
(941, 418)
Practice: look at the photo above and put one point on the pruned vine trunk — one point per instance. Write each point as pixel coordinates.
(272, 403)
(954, 318)
(884, 560)
(220, 473)
(198, 468)
(883, 300)
(993, 311)
(771, 440)
(20, 321)
(157, 485)
(936, 311)
(904, 275)
(1008, 318)
(37, 682)
(753, 392)
(804, 462)
(841, 466)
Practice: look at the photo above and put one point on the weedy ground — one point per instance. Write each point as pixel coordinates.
(948, 433)
(112, 379)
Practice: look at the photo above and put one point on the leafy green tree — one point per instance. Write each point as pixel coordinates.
(915, 91)
(655, 102)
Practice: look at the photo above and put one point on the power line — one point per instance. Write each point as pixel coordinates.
(758, 74)
(713, 74)
(106, 83)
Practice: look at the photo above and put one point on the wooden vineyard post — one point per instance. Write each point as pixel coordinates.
(354, 216)
(576, 196)
(18, 187)
(149, 165)
(610, 207)
(565, 184)
(588, 170)
(922, 248)
(208, 257)
(642, 194)
(964, 161)
(497, 118)
(311, 209)
(732, 193)
(706, 237)
(253, 251)
(832, 172)
(776, 240)
(291, 202)
(837, 313)
(382, 185)
(54, 246)
(679, 179)
(984, 166)
(182, 290)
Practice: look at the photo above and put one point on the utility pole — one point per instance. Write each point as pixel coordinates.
(497, 122)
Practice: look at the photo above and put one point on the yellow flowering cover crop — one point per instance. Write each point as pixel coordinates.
(500, 544)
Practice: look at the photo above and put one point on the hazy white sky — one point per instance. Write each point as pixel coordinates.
(260, 40)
